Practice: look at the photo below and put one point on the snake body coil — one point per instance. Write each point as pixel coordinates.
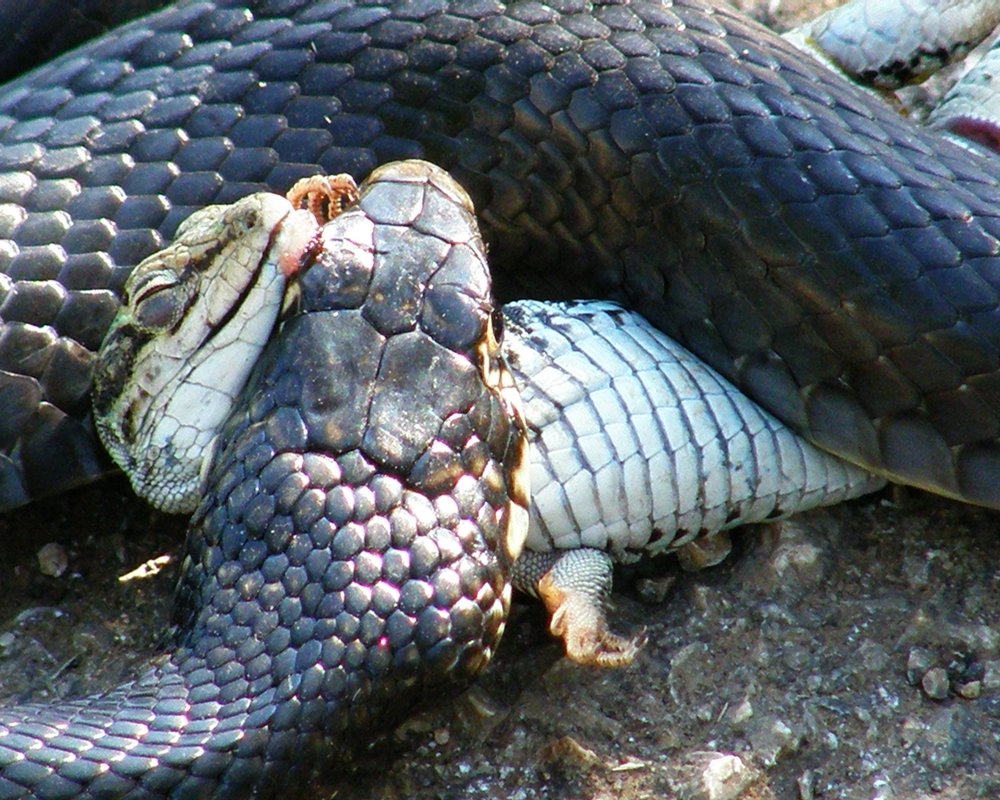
(834, 262)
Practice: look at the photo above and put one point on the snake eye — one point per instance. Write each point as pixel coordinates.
(496, 326)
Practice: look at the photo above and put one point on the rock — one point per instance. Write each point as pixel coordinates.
(689, 671)
(935, 683)
(873, 656)
(773, 738)
(52, 560)
(917, 663)
(970, 690)
(947, 737)
(705, 551)
(654, 590)
(991, 676)
(740, 713)
(442, 736)
(806, 784)
(567, 753)
(711, 776)
(916, 570)
(883, 789)
(796, 555)
(725, 778)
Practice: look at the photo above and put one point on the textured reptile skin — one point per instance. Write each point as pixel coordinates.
(831, 260)
(36, 32)
(354, 545)
(637, 447)
(195, 318)
(897, 44)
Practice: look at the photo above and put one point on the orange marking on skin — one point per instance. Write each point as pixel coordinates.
(295, 260)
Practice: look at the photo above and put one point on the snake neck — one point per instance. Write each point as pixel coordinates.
(296, 637)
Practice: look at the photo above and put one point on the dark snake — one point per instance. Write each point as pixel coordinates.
(833, 261)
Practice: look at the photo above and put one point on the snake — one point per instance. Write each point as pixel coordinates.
(355, 548)
(827, 257)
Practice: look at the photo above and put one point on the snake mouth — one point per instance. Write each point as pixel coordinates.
(518, 463)
(292, 248)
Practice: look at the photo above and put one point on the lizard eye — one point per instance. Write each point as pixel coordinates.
(158, 301)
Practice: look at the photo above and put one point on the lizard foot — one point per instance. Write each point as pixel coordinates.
(581, 624)
(574, 585)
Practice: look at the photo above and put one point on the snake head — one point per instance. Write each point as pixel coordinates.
(412, 371)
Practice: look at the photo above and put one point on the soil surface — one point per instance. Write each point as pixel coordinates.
(851, 654)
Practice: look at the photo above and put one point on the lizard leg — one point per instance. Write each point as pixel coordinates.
(575, 585)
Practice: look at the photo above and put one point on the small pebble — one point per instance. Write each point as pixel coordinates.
(667, 740)
(772, 739)
(706, 551)
(567, 753)
(916, 570)
(725, 778)
(740, 713)
(798, 657)
(690, 669)
(442, 736)
(917, 664)
(799, 558)
(873, 656)
(883, 789)
(935, 683)
(479, 702)
(912, 730)
(970, 690)
(418, 725)
(52, 560)
(654, 590)
(991, 676)
(806, 784)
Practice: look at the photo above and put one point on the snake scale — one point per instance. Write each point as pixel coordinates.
(831, 260)
(834, 262)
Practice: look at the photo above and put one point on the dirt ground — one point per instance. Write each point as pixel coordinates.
(851, 655)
